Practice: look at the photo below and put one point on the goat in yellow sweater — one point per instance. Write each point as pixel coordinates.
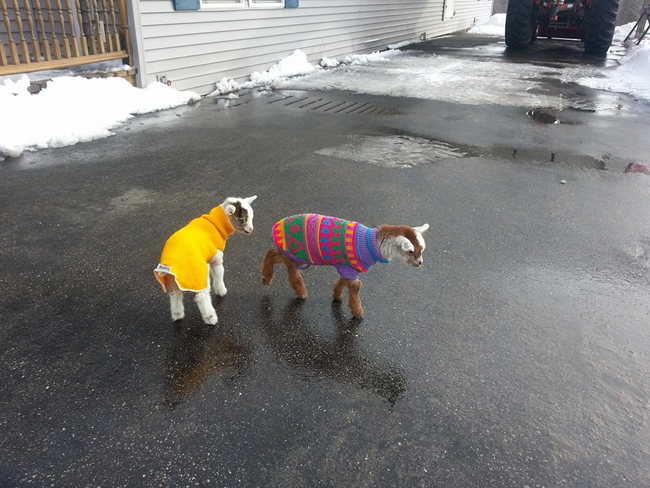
(194, 254)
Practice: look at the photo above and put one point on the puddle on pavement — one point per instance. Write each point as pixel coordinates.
(639, 252)
(406, 151)
(543, 117)
(395, 151)
(131, 200)
(549, 116)
(546, 156)
(403, 151)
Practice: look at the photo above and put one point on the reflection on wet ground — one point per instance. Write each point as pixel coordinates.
(403, 151)
(400, 151)
(293, 341)
(555, 53)
(542, 116)
(548, 156)
(197, 353)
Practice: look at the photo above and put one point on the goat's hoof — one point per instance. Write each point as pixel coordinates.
(178, 316)
(302, 296)
(221, 292)
(266, 282)
(211, 320)
(357, 314)
(336, 299)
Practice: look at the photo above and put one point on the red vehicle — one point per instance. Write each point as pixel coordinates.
(591, 21)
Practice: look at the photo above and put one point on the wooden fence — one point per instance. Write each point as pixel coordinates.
(40, 35)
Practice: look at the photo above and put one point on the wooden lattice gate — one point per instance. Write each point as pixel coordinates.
(53, 34)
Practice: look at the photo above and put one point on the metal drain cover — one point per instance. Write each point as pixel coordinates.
(322, 104)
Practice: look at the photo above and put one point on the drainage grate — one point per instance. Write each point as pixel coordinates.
(332, 106)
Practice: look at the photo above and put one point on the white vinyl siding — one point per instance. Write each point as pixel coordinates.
(196, 49)
(221, 3)
(241, 3)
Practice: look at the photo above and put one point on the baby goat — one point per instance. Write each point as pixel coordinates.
(194, 254)
(352, 248)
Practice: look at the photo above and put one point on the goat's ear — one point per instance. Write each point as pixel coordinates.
(230, 209)
(422, 229)
(404, 244)
(250, 200)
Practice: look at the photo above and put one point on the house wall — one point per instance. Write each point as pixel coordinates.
(196, 49)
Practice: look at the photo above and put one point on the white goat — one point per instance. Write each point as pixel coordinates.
(194, 254)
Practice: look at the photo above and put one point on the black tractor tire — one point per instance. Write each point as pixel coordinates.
(521, 23)
(602, 23)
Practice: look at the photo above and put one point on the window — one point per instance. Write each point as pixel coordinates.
(242, 3)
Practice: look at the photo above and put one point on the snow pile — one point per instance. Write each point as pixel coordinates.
(353, 59)
(494, 26)
(226, 86)
(297, 65)
(329, 63)
(407, 43)
(74, 109)
(621, 32)
(631, 77)
(294, 65)
(376, 57)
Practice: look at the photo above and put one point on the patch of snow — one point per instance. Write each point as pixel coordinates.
(74, 109)
(494, 26)
(630, 77)
(437, 77)
(226, 86)
(621, 32)
(294, 65)
(400, 152)
(376, 57)
(329, 63)
(404, 43)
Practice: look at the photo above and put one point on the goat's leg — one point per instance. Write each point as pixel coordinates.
(295, 278)
(216, 273)
(339, 286)
(354, 301)
(204, 302)
(273, 257)
(175, 298)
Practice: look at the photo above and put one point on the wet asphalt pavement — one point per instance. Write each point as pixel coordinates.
(517, 356)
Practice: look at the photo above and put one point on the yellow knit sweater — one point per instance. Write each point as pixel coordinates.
(188, 250)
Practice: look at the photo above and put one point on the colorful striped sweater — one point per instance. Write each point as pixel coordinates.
(188, 250)
(313, 239)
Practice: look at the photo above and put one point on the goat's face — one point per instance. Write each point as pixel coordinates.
(407, 243)
(240, 213)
